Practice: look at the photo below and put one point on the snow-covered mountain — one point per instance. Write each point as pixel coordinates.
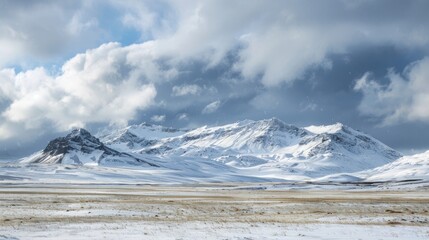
(81, 148)
(137, 136)
(243, 151)
(415, 167)
(268, 148)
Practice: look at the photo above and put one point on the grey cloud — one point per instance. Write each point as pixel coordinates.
(278, 41)
(281, 40)
(183, 116)
(34, 31)
(405, 98)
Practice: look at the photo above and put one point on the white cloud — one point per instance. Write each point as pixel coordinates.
(211, 108)
(404, 99)
(184, 90)
(183, 116)
(108, 84)
(158, 118)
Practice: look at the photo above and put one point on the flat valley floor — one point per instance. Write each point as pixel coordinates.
(209, 212)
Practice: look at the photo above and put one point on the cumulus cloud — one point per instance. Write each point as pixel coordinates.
(158, 118)
(184, 90)
(211, 108)
(108, 84)
(405, 98)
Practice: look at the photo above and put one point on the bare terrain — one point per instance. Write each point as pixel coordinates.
(209, 211)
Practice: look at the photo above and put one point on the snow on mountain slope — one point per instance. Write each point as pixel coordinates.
(413, 167)
(271, 148)
(325, 128)
(266, 150)
(81, 148)
(332, 149)
(137, 136)
(247, 137)
(84, 157)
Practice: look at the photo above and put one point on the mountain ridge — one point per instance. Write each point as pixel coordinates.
(264, 150)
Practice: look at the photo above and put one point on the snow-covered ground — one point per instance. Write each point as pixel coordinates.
(208, 212)
(203, 172)
(226, 231)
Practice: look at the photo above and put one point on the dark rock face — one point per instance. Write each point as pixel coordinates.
(57, 146)
(80, 140)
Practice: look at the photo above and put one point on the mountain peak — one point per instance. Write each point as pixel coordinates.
(79, 132)
(243, 122)
(270, 121)
(333, 128)
(274, 122)
(81, 147)
(78, 139)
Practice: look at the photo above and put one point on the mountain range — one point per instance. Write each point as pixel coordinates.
(244, 151)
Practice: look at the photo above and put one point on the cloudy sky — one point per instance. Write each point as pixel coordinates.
(187, 63)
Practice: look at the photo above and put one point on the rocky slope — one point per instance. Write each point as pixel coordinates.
(81, 148)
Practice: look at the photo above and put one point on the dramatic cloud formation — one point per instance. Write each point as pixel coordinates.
(92, 63)
(404, 98)
(107, 85)
(281, 40)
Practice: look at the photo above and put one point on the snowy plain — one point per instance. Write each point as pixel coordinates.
(209, 212)
(233, 231)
